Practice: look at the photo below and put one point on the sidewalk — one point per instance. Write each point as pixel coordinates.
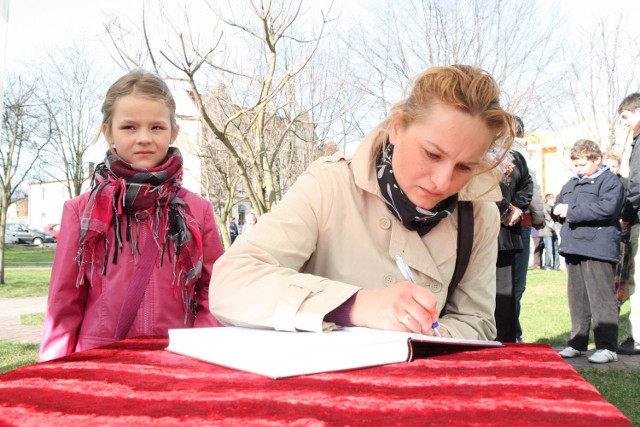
(10, 311)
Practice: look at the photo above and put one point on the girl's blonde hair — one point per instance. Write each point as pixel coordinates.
(139, 83)
(469, 89)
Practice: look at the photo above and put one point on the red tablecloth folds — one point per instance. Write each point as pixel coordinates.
(136, 383)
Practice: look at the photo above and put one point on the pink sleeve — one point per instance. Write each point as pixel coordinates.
(65, 306)
(212, 250)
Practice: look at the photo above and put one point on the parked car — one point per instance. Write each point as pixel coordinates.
(24, 233)
(9, 237)
(53, 229)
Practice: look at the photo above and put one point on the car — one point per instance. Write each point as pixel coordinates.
(53, 229)
(24, 233)
(9, 237)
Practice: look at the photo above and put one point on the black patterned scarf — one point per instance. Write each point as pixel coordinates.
(141, 194)
(411, 216)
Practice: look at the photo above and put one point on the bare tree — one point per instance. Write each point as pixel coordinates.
(21, 145)
(511, 40)
(71, 93)
(242, 79)
(601, 73)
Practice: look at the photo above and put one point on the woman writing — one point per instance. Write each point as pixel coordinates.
(135, 253)
(326, 254)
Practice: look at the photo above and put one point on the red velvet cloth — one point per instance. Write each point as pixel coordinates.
(135, 382)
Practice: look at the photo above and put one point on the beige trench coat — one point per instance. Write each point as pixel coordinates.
(332, 234)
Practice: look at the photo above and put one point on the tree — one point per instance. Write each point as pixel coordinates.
(71, 94)
(21, 142)
(598, 77)
(512, 40)
(243, 83)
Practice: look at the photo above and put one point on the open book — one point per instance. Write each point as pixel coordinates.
(285, 354)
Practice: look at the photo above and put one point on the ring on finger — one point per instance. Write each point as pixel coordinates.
(406, 319)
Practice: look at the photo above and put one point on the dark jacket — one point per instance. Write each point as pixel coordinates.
(518, 192)
(632, 204)
(592, 226)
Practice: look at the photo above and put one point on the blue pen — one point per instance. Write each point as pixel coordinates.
(408, 276)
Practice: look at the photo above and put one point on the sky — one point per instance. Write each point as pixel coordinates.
(37, 25)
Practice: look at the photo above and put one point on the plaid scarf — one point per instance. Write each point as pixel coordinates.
(140, 194)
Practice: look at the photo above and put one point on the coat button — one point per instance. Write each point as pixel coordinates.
(384, 223)
(435, 287)
(389, 279)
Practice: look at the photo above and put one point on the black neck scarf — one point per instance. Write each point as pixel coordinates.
(411, 216)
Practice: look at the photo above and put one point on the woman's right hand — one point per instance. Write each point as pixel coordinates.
(404, 306)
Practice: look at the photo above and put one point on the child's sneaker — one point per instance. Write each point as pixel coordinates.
(603, 356)
(570, 352)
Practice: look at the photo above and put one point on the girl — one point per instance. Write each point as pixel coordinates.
(326, 254)
(143, 246)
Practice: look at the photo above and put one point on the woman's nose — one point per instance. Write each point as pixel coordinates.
(442, 178)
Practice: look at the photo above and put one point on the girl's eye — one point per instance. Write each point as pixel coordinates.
(463, 168)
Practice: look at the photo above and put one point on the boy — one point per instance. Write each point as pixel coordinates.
(629, 110)
(589, 206)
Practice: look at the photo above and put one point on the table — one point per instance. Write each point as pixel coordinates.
(136, 382)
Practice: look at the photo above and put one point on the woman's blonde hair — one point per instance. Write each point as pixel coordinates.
(469, 89)
(139, 83)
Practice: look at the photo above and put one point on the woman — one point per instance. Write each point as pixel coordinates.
(326, 254)
(135, 253)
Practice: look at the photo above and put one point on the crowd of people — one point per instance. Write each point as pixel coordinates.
(447, 161)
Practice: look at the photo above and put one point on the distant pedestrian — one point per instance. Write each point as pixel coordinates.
(233, 230)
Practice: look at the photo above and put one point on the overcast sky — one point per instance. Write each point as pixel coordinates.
(42, 24)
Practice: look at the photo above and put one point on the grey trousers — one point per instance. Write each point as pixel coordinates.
(592, 298)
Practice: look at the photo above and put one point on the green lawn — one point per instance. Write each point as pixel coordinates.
(20, 256)
(544, 318)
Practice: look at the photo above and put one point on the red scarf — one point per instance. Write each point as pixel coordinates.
(139, 193)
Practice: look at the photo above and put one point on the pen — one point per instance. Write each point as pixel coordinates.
(409, 277)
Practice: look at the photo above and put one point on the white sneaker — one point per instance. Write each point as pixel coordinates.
(603, 356)
(570, 352)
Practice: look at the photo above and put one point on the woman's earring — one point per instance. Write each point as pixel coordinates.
(113, 146)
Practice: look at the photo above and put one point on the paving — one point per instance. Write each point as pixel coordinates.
(10, 311)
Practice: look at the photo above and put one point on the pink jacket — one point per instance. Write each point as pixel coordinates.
(84, 317)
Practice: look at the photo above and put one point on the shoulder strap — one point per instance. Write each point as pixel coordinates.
(465, 244)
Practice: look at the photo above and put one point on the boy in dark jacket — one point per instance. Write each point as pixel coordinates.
(589, 205)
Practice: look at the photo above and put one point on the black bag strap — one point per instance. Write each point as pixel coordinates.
(465, 245)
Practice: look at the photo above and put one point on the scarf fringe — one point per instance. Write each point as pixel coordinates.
(119, 189)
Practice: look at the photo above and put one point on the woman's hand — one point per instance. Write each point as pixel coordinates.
(404, 306)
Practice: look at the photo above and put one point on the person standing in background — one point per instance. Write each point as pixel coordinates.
(589, 207)
(233, 230)
(549, 236)
(629, 110)
(533, 217)
(517, 191)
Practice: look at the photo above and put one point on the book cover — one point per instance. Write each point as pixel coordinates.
(277, 354)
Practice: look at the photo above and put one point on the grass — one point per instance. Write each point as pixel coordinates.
(25, 283)
(544, 318)
(32, 319)
(26, 256)
(14, 355)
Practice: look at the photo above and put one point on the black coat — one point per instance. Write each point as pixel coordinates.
(592, 226)
(632, 204)
(518, 192)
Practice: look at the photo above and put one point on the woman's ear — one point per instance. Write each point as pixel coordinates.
(394, 129)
